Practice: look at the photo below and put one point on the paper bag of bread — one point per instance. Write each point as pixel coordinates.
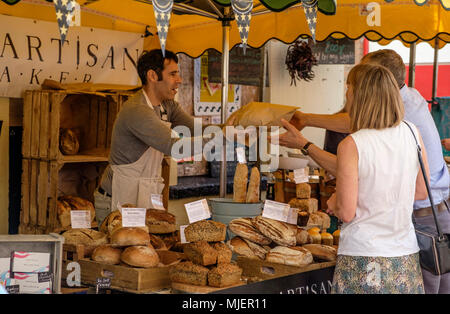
(262, 114)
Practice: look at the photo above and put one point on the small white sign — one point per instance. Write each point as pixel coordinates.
(277, 211)
(198, 210)
(240, 152)
(301, 175)
(182, 236)
(80, 219)
(293, 216)
(133, 217)
(157, 201)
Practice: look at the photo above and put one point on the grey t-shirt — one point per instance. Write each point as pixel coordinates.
(138, 127)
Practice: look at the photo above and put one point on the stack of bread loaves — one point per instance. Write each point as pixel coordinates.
(209, 259)
(275, 241)
(136, 246)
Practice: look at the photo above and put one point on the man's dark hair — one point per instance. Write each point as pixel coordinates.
(153, 60)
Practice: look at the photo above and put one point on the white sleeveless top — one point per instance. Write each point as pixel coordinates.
(387, 170)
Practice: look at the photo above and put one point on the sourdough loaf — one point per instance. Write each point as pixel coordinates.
(244, 228)
(140, 256)
(322, 252)
(309, 205)
(240, 247)
(85, 237)
(257, 249)
(289, 256)
(303, 190)
(160, 221)
(130, 236)
(107, 254)
(224, 275)
(281, 233)
(68, 142)
(189, 273)
(302, 237)
(208, 230)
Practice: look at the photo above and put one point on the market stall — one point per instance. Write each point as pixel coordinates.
(288, 237)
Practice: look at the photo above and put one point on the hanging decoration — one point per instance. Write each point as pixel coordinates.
(162, 10)
(310, 8)
(64, 13)
(243, 13)
(299, 61)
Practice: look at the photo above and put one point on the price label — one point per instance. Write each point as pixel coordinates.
(240, 152)
(292, 216)
(13, 289)
(80, 219)
(44, 277)
(301, 175)
(182, 236)
(133, 217)
(277, 211)
(198, 210)
(103, 283)
(157, 201)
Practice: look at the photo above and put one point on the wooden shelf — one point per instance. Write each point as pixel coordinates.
(95, 155)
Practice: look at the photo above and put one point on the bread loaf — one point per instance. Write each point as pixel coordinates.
(200, 253)
(257, 249)
(326, 221)
(140, 256)
(224, 275)
(302, 237)
(240, 183)
(68, 142)
(68, 203)
(336, 235)
(189, 273)
(253, 186)
(314, 236)
(63, 209)
(130, 236)
(281, 233)
(240, 247)
(315, 220)
(289, 256)
(107, 254)
(327, 238)
(309, 205)
(244, 228)
(224, 253)
(157, 242)
(303, 190)
(208, 230)
(85, 237)
(322, 252)
(111, 223)
(160, 221)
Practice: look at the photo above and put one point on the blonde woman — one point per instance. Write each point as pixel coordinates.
(378, 179)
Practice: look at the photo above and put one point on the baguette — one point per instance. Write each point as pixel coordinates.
(253, 186)
(240, 183)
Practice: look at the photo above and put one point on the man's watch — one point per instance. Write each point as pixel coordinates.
(304, 149)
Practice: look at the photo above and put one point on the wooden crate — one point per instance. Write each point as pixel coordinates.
(127, 278)
(267, 270)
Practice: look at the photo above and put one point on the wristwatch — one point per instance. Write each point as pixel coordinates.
(304, 149)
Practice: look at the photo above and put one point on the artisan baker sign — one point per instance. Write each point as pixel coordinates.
(31, 51)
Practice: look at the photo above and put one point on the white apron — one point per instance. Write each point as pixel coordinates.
(135, 183)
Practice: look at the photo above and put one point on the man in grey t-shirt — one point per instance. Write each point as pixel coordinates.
(143, 123)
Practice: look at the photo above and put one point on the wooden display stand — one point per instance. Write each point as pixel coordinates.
(45, 112)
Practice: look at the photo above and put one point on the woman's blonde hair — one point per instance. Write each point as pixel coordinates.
(376, 103)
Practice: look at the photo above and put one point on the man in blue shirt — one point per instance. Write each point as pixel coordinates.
(416, 111)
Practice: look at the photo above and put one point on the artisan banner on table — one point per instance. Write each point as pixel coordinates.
(30, 52)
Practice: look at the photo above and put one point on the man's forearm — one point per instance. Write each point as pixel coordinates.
(338, 122)
(324, 159)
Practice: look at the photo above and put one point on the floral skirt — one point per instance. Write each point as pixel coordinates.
(378, 275)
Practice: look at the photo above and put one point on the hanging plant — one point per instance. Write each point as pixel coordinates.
(299, 61)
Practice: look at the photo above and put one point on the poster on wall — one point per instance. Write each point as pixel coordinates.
(31, 51)
(207, 96)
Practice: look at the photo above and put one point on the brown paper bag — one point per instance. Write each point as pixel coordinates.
(262, 114)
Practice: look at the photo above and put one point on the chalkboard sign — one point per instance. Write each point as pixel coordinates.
(243, 69)
(334, 51)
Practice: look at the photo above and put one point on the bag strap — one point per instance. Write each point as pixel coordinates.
(422, 167)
